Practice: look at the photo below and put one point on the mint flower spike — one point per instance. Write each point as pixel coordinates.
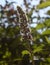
(25, 30)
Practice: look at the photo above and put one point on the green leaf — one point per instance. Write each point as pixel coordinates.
(48, 59)
(18, 59)
(38, 49)
(40, 26)
(48, 12)
(43, 5)
(47, 22)
(47, 39)
(47, 0)
(25, 52)
(7, 54)
(46, 32)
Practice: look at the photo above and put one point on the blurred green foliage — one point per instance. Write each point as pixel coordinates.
(16, 51)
